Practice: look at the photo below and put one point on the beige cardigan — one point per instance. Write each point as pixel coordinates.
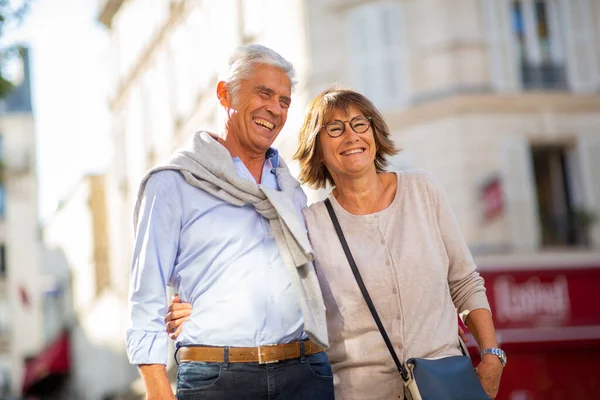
(418, 270)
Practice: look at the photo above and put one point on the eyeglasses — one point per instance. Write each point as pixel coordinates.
(336, 128)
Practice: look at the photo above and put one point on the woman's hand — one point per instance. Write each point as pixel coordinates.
(462, 334)
(178, 313)
(489, 371)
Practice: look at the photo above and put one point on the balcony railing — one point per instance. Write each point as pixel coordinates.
(545, 76)
(571, 229)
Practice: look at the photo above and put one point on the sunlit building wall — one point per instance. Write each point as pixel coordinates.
(77, 235)
(498, 98)
(167, 92)
(21, 324)
(165, 69)
(482, 92)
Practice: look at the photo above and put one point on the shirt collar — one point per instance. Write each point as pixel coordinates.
(273, 156)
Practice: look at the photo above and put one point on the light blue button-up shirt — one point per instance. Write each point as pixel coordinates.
(221, 258)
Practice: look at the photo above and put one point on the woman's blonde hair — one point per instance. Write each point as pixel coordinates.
(312, 171)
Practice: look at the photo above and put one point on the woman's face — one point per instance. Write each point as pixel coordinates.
(351, 154)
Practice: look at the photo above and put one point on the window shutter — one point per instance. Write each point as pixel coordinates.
(363, 51)
(503, 58)
(581, 50)
(519, 192)
(588, 148)
(556, 32)
(377, 52)
(393, 52)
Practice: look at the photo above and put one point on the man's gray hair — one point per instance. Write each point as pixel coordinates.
(246, 58)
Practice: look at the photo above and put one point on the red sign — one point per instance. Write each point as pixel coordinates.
(492, 198)
(545, 305)
(548, 322)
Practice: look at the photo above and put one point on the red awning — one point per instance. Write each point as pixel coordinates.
(54, 360)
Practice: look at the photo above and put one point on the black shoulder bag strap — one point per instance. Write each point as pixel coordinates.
(363, 289)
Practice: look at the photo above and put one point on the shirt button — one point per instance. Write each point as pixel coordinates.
(387, 262)
(382, 241)
(398, 317)
(394, 291)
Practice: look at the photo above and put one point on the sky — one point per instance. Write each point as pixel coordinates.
(69, 80)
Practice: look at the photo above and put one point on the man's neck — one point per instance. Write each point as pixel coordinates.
(254, 162)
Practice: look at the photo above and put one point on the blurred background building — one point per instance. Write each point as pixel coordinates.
(500, 99)
(21, 333)
(34, 344)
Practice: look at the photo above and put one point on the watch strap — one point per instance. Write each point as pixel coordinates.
(497, 352)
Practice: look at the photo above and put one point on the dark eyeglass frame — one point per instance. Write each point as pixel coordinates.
(335, 121)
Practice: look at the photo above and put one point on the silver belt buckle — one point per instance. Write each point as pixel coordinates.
(260, 359)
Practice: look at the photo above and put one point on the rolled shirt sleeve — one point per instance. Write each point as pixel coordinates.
(155, 251)
(466, 285)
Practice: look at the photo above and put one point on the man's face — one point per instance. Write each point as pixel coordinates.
(260, 109)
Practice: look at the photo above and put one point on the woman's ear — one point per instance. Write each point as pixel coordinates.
(223, 94)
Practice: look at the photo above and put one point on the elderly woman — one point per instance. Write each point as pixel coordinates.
(406, 244)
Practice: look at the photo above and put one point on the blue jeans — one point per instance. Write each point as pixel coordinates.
(309, 377)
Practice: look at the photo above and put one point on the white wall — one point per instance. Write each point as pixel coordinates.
(22, 242)
(99, 361)
(464, 150)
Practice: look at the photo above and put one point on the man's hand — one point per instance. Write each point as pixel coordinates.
(178, 313)
(489, 371)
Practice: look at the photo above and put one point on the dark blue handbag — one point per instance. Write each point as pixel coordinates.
(448, 378)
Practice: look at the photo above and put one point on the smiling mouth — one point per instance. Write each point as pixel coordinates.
(264, 123)
(352, 151)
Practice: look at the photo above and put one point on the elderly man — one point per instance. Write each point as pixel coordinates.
(221, 223)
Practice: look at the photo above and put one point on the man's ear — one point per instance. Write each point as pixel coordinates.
(223, 94)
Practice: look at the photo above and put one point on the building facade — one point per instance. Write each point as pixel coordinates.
(76, 240)
(500, 99)
(21, 323)
(495, 92)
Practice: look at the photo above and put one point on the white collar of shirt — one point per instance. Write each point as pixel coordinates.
(271, 162)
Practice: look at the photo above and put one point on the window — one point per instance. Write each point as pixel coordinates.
(541, 44)
(377, 53)
(561, 220)
(536, 28)
(2, 261)
(252, 20)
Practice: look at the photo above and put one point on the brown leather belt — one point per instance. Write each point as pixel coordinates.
(261, 354)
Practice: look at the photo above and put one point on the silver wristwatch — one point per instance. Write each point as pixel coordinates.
(497, 352)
